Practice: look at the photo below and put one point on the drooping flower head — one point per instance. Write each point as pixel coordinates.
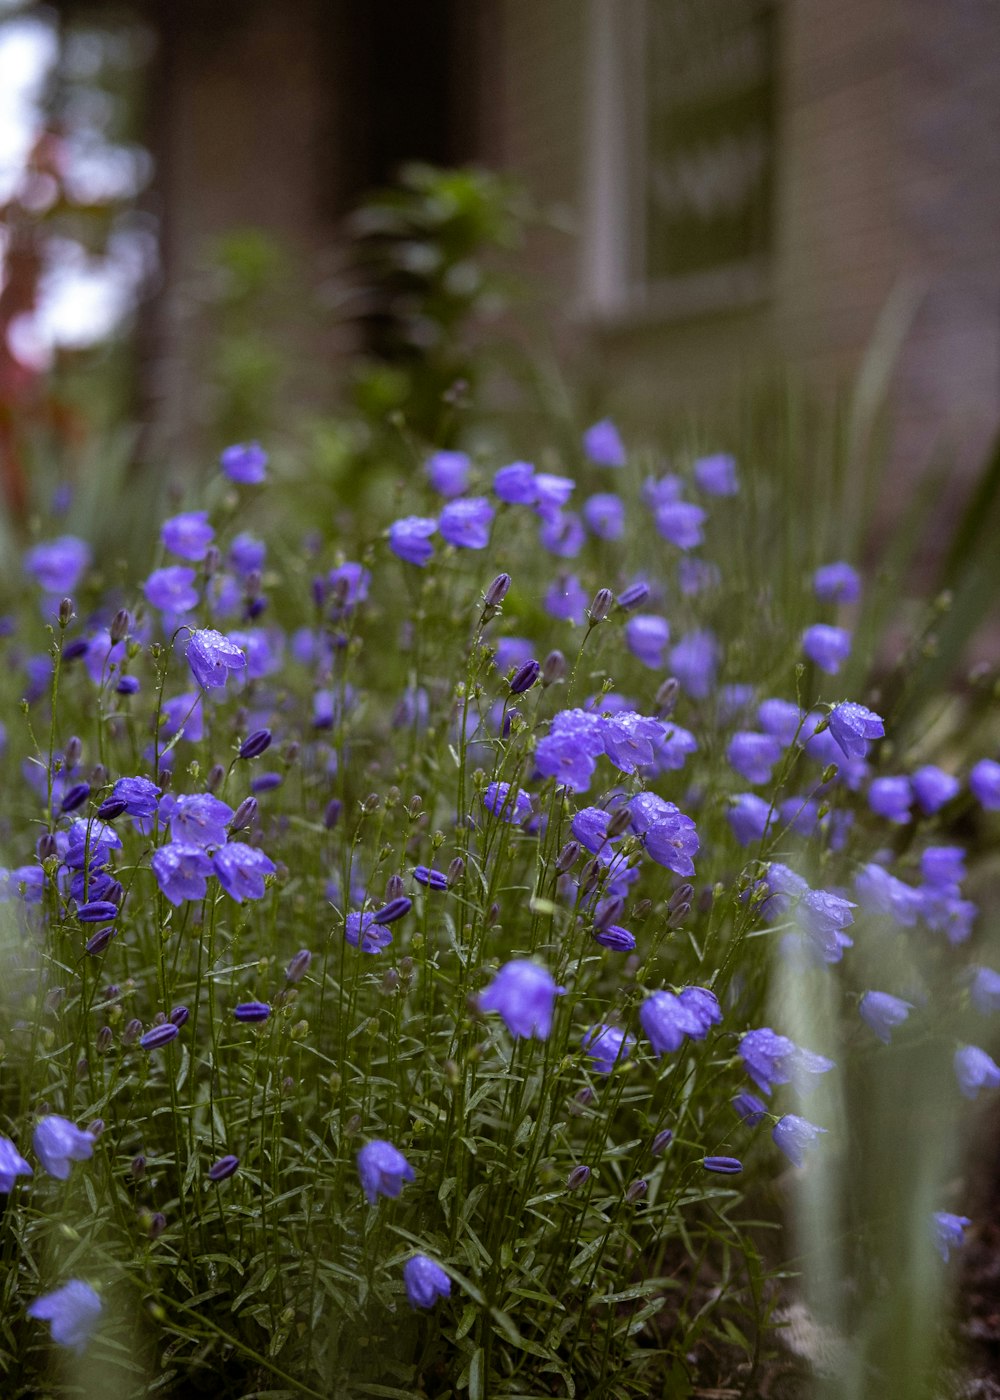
(181, 871)
(837, 583)
(425, 1281)
(466, 523)
(58, 1143)
(383, 1169)
(882, 1012)
(212, 657)
(716, 475)
(827, 647)
(523, 993)
(73, 1312)
(607, 1046)
(245, 463)
(948, 1231)
(188, 535)
(603, 445)
(448, 472)
(241, 870)
(12, 1165)
(410, 539)
(771, 1059)
(975, 1070)
(852, 726)
(794, 1135)
(58, 565)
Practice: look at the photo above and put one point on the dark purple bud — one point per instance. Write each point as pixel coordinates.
(255, 608)
(618, 939)
(82, 1067)
(497, 591)
(509, 717)
(727, 1166)
(524, 677)
(138, 1168)
(74, 751)
(395, 909)
(636, 1190)
(110, 808)
(566, 858)
(395, 886)
(73, 650)
(114, 893)
(127, 685)
(132, 1031)
(591, 876)
(215, 777)
(267, 782)
(157, 1225)
(45, 846)
(104, 1039)
(618, 823)
(96, 1126)
(666, 696)
(662, 1141)
(601, 606)
(390, 980)
(553, 668)
(578, 1177)
(332, 814)
(252, 1011)
(493, 915)
(65, 612)
(97, 911)
(255, 744)
(159, 1035)
(179, 1016)
(678, 915)
(75, 797)
(632, 596)
(100, 940)
(299, 966)
(683, 894)
(252, 583)
(212, 561)
(120, 624)
(319, 588)
(245, 815)
(456, 869)
(429, 878)
(609, 912)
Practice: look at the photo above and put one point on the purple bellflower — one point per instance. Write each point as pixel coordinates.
(603, 446)
(12, 1165)
(523, 993)
(72, 1311)
(716, 475)
(837, 583)
(383, 1169)
(58, 1143)
(827, 647)
(410, 539)
(794, 1135)
(882, 1012)
(241, 870)
(853, 725)
(188, 535)
(948, 1232)
(975, 1070)
(608, 1047)
(212, 656)
(425, 1281)
(245, 463)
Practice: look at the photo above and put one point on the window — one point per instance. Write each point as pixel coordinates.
(682, 155)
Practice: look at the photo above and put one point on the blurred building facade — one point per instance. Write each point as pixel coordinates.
(751, 182)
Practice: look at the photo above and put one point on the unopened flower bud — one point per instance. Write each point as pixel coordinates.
(619, 822)
(74, 751)
(553, 668)
(397, 908)
(299, 966)
(45, 846)
(678, 915)
(255, 744)
(215, 777)
(332, 814)
(138, 1168)
(65, 612)
(371, 802)
(633, 596)
(566, 858)
(110, 808)
(103, 1040)
(497, 591)
(245, 815)
(578, 1177)
(636, 1190)
(179, 1016)
(666, 696)
(683, 894)
(212, 561)
(456, 870)
(662, 1141)
(132, 1031)
(74, 797)
(524, 677)
(120, 624)
(601, 606)
(609, 912)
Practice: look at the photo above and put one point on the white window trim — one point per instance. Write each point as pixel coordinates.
(614, 140)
